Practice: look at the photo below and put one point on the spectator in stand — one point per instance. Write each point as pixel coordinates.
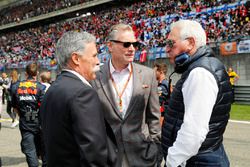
(146, 18)
(33, 8)
(200, 103)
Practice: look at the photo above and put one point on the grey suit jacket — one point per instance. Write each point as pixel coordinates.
(139, 131)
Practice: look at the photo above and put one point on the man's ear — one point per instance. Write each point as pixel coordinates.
(109, 44)
(191, 43)
(75, 58)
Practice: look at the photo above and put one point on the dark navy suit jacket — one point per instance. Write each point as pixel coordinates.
(73, 124)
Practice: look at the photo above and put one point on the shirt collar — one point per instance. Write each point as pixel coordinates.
(112, 68)
(79, 76)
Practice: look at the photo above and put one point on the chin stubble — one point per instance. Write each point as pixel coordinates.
(96, 68)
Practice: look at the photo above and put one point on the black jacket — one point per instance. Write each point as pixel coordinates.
(26, 97)
(73, 125)
(203, 58)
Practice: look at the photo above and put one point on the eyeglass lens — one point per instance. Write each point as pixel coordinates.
(170, 43)
(127, 44)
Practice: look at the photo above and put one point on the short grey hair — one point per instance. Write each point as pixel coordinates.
(70, 42)
(191, 28)
(118, 28)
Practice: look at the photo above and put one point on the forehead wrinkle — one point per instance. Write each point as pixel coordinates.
(126, 36)
(174, 34)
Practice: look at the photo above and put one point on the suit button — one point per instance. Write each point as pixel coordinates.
(116, 150)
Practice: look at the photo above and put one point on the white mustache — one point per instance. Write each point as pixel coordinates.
(96, 68)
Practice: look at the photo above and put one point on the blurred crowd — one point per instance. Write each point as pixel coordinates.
(149, 19)
(31, 8)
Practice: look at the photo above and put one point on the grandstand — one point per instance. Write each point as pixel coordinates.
(30, 34)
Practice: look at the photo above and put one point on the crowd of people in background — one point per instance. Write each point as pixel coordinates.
(150, 20)
(32, 8)
(125, 109)
(129, 99)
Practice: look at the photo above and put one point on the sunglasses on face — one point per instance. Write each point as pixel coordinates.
(127, 44)
(170, 43)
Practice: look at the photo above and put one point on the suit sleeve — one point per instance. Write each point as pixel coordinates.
(153, 111)
(89, 128)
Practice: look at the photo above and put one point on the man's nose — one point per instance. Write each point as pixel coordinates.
(97, 60)
(168, 49)
(131, 47)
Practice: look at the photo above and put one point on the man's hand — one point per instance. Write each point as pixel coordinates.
(16, 111)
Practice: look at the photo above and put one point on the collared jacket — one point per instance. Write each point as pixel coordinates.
(203, 58)
(138, 132)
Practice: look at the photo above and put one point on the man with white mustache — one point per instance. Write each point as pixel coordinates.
(74, 128)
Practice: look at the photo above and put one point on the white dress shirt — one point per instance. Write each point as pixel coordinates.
(79, 76)
(120, 78)
(199, 94)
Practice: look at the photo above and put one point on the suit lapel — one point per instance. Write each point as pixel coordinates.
(137, 88)
(106, 84)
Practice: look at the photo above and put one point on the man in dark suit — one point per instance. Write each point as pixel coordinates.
(72, 118)
(128, 92)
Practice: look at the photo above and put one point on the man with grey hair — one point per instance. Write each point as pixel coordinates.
(199, 106)
(72, 118)
(128, 93)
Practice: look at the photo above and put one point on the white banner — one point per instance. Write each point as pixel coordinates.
(243, 46)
